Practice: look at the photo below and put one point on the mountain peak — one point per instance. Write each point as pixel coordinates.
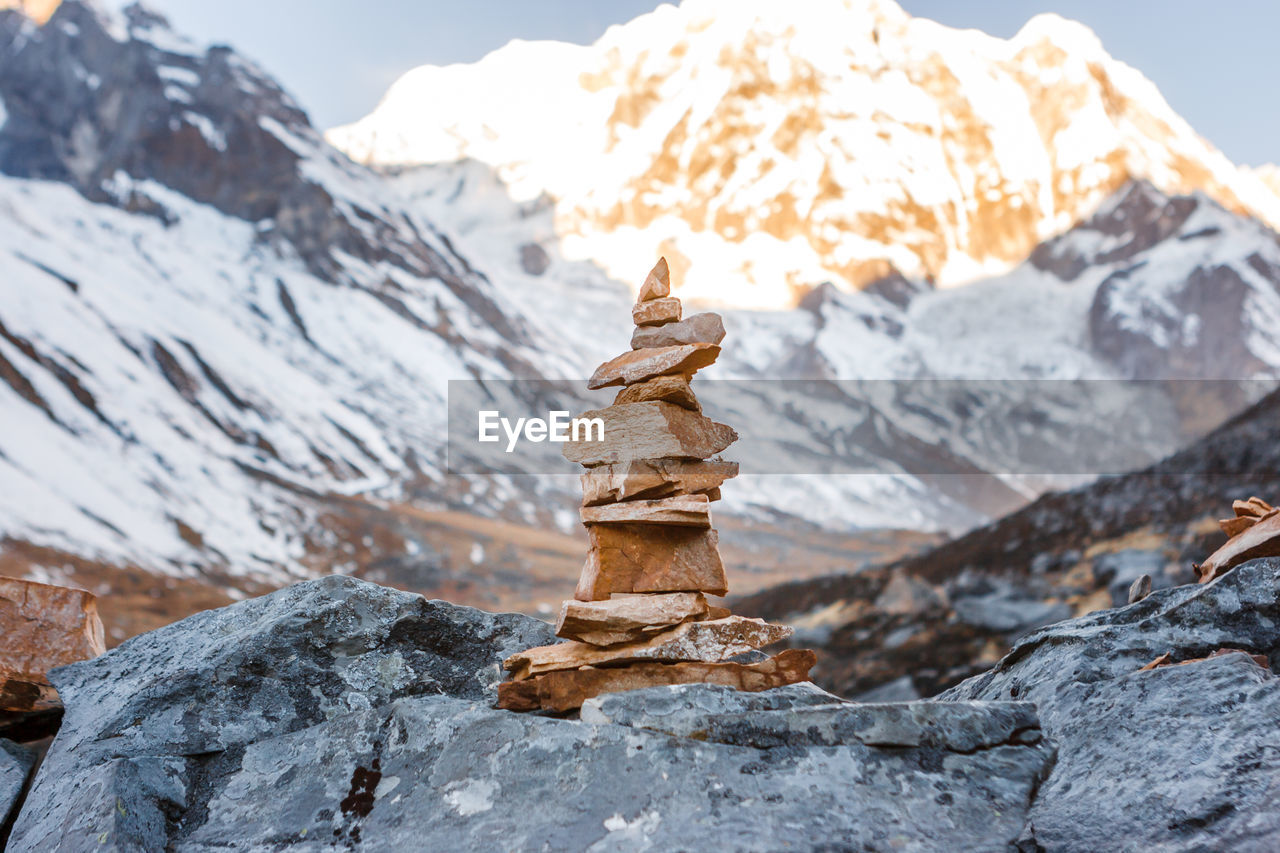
(779, 17)
(1066, 33)
(769, 156)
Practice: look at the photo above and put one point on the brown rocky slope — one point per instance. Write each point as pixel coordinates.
(919, 625)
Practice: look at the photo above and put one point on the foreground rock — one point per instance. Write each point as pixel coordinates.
(338, 714)
(15, 764)
(1168, 758)
(144, 721)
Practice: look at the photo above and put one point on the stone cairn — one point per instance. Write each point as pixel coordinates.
(640, 616)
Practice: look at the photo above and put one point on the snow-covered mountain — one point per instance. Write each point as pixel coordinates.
(224, 346)
(767, 147)
(209, 316)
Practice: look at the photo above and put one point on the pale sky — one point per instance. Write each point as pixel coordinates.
(1216, 62)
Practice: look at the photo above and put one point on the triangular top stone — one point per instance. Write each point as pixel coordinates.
(657, 283)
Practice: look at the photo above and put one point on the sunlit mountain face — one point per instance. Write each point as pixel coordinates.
(767, 147)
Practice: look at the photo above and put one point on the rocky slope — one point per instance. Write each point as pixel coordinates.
(335, 714)
(767, 148)
(208, 308)
(922, 624)
(1173, 756)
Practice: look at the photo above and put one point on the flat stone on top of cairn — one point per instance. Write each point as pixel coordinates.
(639, 617)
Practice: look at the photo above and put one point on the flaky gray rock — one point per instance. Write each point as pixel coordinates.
(337, 714)
(803, 714)
(15, 764)
(1176, 758)
(162, 709)
(469, 778)
(684, 709)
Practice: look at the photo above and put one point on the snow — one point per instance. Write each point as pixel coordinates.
(899, 118)
(164, 39)
(365, 388)
(216, 138)
(175, 74)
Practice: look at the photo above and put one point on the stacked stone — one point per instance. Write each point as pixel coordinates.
(639, 616)
(1254, 532)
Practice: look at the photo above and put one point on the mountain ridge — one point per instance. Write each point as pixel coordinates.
(764, 154)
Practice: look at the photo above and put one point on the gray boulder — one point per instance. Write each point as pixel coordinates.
(336, 714)
(15, 764)
(1176, 758)
(155, 716)
(471, 778)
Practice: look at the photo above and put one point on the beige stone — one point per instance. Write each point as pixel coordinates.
(1260, 540)
(639, 365)
(649, 430)
(654, 478)
(1255, 507)
(41, 627)
(705, 328)
(627, 618)
(657, 283)
(656, 312)
(708, 641)
(671, 389)
(565, 690)
(1166, 659)
(1247, 514)
(1236, 525)
(650, 558)
(681, 510)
